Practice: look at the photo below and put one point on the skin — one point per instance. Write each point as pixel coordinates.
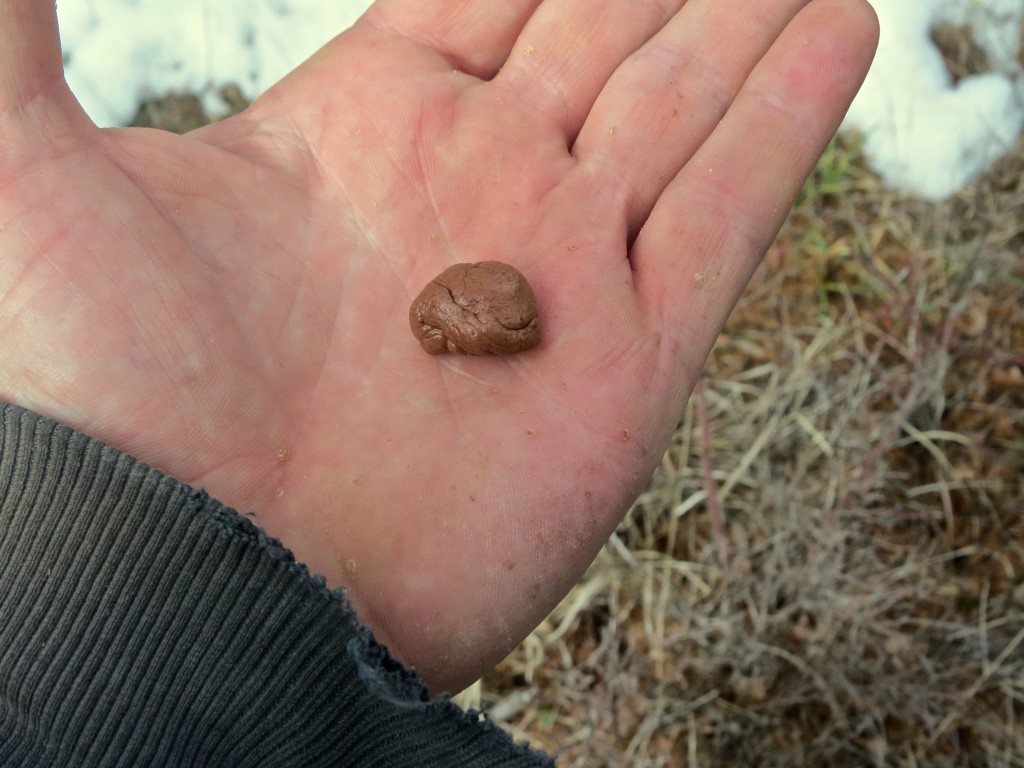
(231, 306)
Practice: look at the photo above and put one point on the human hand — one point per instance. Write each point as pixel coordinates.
(231, 306)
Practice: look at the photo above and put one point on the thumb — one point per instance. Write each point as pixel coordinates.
(35, 102)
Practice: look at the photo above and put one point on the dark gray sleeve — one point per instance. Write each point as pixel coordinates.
(142, 623)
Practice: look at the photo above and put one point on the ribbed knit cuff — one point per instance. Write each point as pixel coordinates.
(143, 623)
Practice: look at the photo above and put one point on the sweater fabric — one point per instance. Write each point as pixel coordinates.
(143, 623)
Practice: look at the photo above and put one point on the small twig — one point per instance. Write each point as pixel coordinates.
(717, 528)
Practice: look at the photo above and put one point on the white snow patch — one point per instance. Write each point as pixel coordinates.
(922, 133)
(118, 53)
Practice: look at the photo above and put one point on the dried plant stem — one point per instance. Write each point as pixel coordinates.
(714, 515)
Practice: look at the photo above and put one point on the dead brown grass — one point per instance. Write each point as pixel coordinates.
(863, 603)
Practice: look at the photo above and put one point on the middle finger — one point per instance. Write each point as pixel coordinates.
(568, 50)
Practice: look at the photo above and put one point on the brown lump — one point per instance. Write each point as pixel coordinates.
(486, 308)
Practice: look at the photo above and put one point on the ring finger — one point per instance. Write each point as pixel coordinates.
(666, 99)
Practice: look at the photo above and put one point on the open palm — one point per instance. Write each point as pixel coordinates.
(231, 306)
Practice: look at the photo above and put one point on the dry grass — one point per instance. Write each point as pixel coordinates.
(862, 601)
(857, 598)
